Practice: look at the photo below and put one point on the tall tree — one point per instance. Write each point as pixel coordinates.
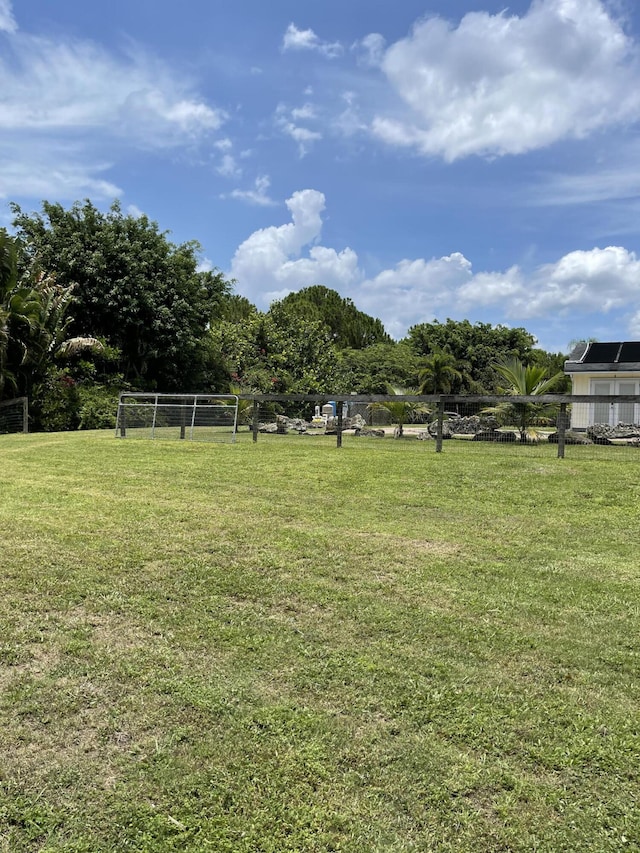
(348, 326)
(374, 369)
(19, 310)
(476, 345)
(276, 351)
(143, 294)
(439, 372)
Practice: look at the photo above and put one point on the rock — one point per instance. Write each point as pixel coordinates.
(368, 432)
(571, 437)
(495, 435)
(298, 425)
(356, 422)
(471, 425)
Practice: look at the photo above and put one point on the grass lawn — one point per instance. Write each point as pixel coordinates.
(290, 647)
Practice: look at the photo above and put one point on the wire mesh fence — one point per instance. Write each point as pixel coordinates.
(14, 415)
(549, 425)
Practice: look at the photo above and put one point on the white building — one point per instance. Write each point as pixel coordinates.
(604, 368)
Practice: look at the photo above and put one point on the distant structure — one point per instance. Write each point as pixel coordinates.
(603, 368)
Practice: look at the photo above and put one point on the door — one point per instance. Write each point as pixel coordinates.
(602, 413)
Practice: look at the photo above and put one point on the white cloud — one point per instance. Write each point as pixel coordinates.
(259, 195)
(269, 262)
(51, 169)
(503, 84)
(78, 85)
(414, 291)
(228, 167)
(307, 111)
(370, 50)
(68, 100)
(295, 39)
(350, 121)
(581, 282)
(205, 265)
(304, 136)
(7, 21)
(599, 280)
(617, 179)
(580, 285)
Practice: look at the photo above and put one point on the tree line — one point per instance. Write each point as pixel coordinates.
(92, 303)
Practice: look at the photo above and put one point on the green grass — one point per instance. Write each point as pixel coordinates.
(290, 647)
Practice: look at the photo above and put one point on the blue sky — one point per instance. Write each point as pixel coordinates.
(426, 159)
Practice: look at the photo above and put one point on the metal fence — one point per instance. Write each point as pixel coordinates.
(553, 424)
(195, 417)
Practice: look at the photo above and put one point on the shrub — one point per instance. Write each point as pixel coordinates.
(55, 403)
(98, 407)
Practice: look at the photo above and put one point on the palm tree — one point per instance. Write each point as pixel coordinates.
(524, 381)
(19, 306)
(439, 371)
(401, 411)
(33, 321)
(46, 340)
(245, 407)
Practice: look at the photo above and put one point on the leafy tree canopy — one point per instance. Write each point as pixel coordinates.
(439, 373)
(476, 348)
(277, 351)
(374, 369)
(348, 326)
(131, 286)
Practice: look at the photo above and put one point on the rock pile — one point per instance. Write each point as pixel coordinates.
(472, 425)
(605, 434)
(284, 425)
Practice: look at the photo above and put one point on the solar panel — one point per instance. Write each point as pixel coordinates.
(630, 351)
(601, 353)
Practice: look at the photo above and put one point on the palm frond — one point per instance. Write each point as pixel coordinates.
(72, 346)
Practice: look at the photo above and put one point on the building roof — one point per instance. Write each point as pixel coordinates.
(603, 356)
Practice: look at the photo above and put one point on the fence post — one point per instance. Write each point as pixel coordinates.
(339, 431)
(439, 431)
(183, 422)
(255, 419)
(25, 414)
(562, 427)
(122, 417)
